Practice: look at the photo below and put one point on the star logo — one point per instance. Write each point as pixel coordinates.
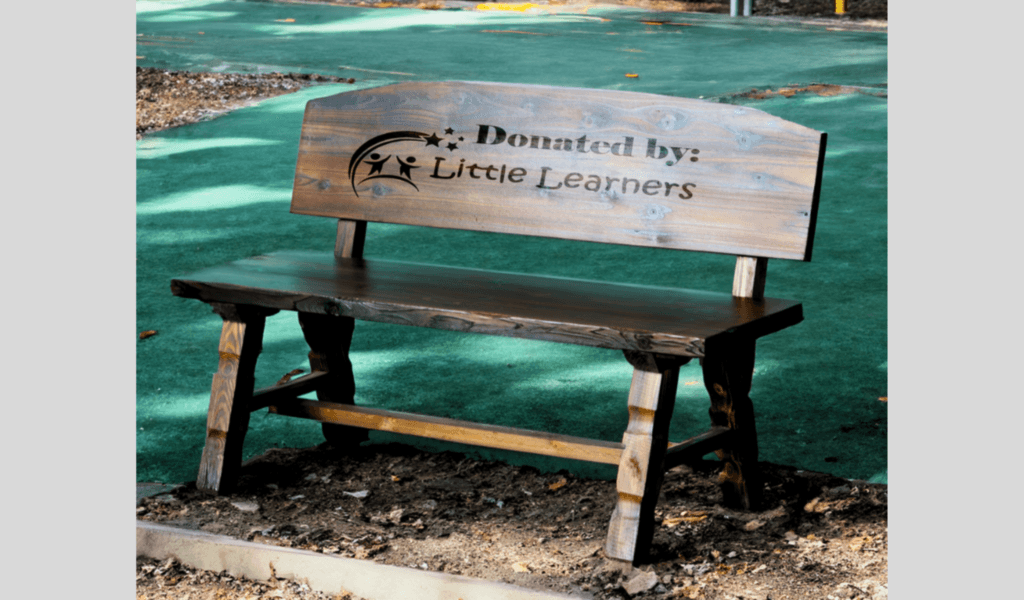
(379, 162)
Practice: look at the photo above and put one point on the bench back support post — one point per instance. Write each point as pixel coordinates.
(350, 240)
(748, 280)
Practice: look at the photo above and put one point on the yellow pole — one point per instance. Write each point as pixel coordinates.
(840, 7)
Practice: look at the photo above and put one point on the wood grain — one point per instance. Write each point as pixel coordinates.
(608, 166)
(228, 415)
(589, 313)
(452, 430)
(641, 471)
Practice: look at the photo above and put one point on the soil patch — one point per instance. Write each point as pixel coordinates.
(171, 98)
(819, 536)
(820, 89)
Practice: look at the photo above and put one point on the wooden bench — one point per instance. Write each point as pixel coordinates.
(601, 166)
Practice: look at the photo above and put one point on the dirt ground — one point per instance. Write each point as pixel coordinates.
(819, 537)
(166, 99)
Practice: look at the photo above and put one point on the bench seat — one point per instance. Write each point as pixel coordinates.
(590, 313)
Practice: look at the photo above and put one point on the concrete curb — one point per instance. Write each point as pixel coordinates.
(321, 572)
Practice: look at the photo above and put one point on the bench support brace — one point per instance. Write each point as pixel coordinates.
(652, 397)
(241, 340)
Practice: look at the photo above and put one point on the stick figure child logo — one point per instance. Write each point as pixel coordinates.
(379, 165)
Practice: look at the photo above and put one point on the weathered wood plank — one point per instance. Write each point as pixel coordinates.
(228, 415)
(589, 313)
(452, 430)
(275, 394)
(608, 166)
(641, 469)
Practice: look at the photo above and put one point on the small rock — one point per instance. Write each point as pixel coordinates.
(640, 582)
(521, 567)
(246, 505)
(359, 494)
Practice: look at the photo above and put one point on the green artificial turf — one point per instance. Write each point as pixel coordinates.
(218, 191)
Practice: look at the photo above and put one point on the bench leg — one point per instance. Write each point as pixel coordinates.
(329, 338)
(727, 377)
(241, 339)
(652, 397)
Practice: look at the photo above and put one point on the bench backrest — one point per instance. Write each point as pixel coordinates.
(596, 165)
